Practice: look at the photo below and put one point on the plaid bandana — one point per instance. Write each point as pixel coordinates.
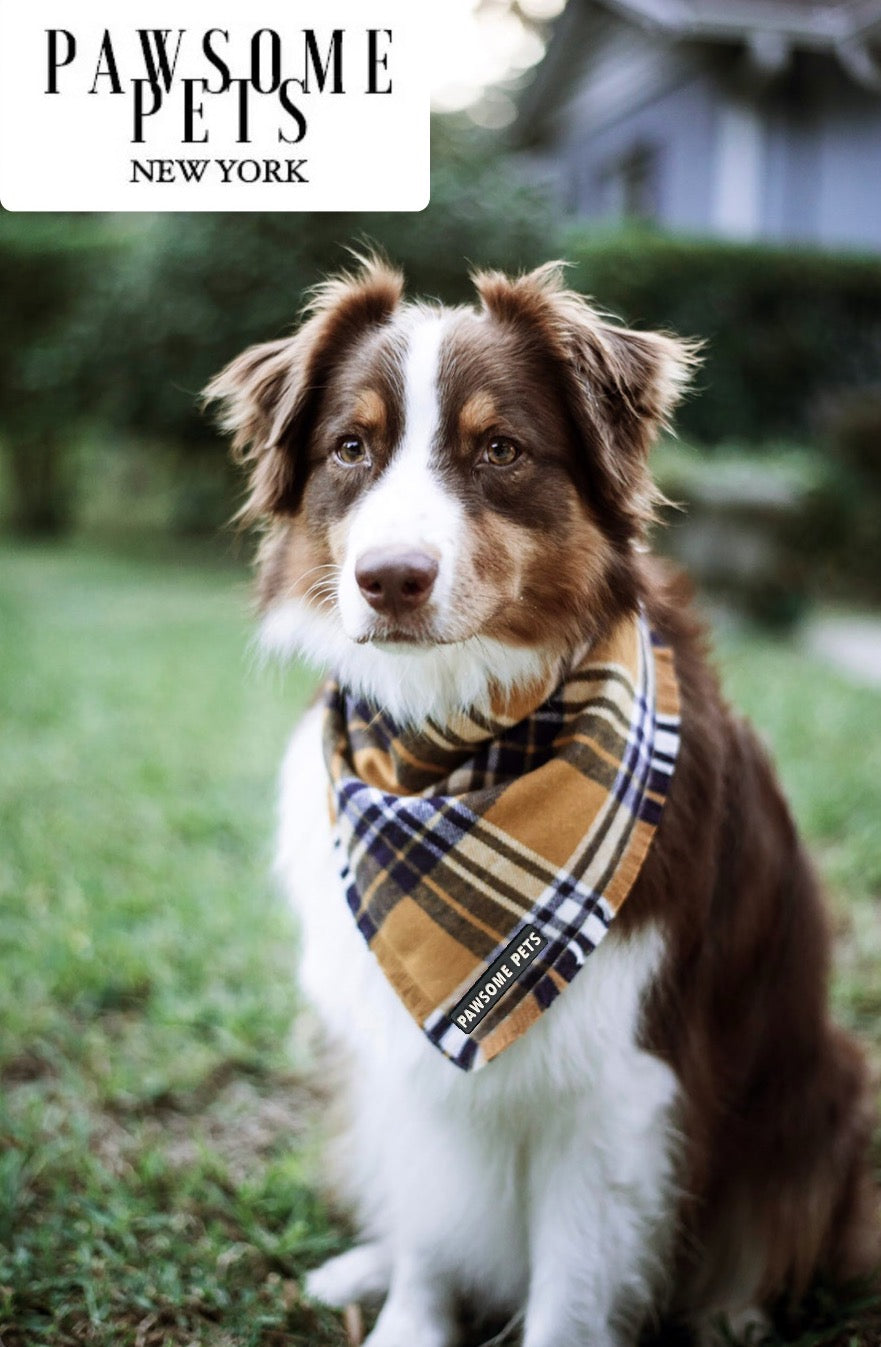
(483, 861)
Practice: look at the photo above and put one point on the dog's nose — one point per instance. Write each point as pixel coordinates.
(395, 582)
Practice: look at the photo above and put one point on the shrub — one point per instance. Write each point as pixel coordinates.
(767, 529)
(852, 429)
(783, 327)
(47, 265)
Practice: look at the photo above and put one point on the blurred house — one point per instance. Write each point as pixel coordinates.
(739, 118)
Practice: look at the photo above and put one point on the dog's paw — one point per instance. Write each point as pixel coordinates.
(418, 1313)
(362, 1274)
(748, 1327)
(401, 1330)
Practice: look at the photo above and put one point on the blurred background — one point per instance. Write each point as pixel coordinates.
(709, 167)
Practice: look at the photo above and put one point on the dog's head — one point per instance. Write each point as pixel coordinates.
(453, 496)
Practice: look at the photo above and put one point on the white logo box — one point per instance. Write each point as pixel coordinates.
(244, 125)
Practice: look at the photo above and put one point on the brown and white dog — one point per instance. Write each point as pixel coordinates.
(455, 500)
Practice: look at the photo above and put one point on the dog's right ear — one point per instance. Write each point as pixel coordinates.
(268, 395)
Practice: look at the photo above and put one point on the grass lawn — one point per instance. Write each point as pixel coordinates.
(157, 1145)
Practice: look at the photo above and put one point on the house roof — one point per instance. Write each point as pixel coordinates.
(770, 30)
(820, 23)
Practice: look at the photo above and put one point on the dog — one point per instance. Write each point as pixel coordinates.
(455, 503)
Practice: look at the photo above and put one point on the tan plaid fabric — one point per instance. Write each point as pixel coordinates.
(483, 861)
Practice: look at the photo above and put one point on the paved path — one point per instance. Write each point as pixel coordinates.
(850, 642)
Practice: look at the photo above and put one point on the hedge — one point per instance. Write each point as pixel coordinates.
(125, 318)
(787, 331)
(118, 321)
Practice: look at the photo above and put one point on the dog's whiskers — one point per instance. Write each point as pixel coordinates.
(324, 588)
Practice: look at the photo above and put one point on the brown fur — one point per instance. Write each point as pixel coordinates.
(478, 416)
(777, 1116)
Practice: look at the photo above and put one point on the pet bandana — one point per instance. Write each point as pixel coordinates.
(484, 860)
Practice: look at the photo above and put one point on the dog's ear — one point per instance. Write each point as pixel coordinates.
(268, 395)
(621, 386)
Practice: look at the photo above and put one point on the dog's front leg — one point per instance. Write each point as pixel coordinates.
(565, 1309)
(600, 1198)
(420, 1310)
(555, 1325)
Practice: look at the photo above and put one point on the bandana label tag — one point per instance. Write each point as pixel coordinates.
(498, 978)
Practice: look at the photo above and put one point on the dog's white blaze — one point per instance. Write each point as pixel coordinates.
(409, 507)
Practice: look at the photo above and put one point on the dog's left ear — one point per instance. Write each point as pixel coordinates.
(621, 385)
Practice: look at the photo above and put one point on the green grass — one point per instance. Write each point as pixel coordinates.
(156, 1153)
(825, 736)
(158, 1147)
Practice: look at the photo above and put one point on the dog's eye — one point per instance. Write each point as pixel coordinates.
(351, 451)
(501, 452)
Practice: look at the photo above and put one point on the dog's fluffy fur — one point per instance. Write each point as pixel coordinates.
(684, 1132)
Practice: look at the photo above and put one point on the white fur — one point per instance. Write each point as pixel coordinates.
(409, 506)
(411, 682)
(544, 1182)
